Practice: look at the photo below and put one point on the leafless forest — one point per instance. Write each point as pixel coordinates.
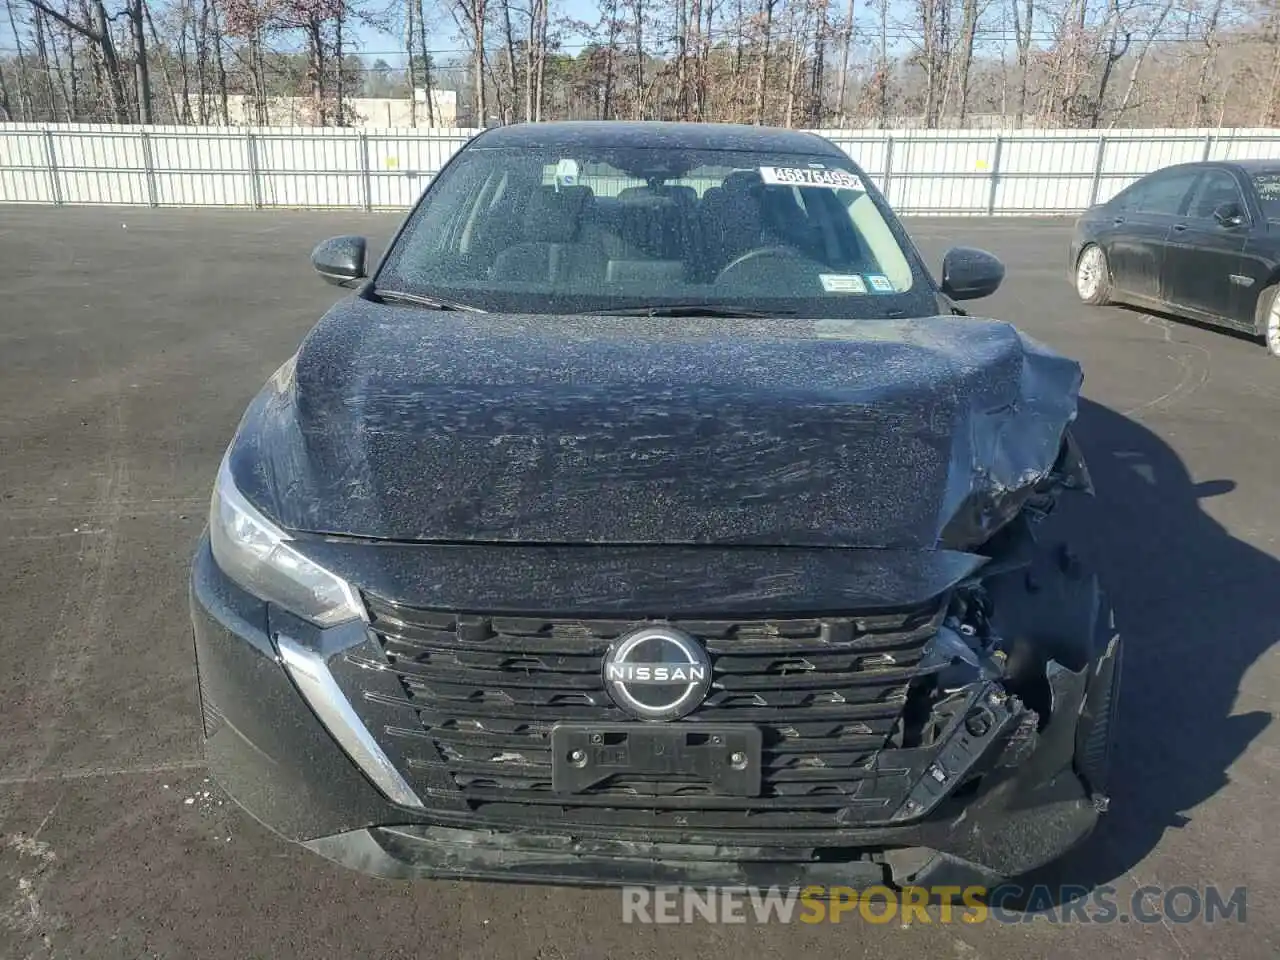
(805, 63)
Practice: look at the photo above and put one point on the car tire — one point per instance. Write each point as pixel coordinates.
(1269, 319)
(1093, 276)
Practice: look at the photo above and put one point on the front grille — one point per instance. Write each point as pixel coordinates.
(469, 715)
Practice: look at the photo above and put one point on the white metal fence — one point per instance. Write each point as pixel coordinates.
(921, 171)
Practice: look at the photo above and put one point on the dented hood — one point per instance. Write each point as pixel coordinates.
(404, 424)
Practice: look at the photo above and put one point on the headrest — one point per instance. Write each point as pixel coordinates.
(740, 181)
(646, 194)
(553, 216)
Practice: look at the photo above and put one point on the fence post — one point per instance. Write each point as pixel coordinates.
(255, 188)
(1208, 146)
(51, 160)
(1097, 169)
(149, 163)
(888, 168)
(364, 171)
(995, 174)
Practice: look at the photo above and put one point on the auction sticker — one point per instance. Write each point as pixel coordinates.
(879, 283)
(810, 177)
(842, 283)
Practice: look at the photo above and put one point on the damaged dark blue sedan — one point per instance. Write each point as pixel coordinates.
(650, 515)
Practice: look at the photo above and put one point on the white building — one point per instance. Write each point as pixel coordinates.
(365, 111)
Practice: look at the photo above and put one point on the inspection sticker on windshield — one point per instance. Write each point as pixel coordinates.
(809, 177)
(842, 283)
(879, 283)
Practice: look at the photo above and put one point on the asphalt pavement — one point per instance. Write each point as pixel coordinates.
(130, 342)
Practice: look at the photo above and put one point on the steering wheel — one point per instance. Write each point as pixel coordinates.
(775, 252)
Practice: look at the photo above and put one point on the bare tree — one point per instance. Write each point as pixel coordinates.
(935, 54)
(175, 111)
(428, 87)
(44, 60)
(536, 59)
(1119, 39)
(141, 70)
(1269, 101)
(219, 66)
(637, 21)
(846, 42)
(254, 22)
(24, 80)
(1022, 32)
(1161, 16)
(6, 105)
(612, 29)
(796, 13)
(798, 62)
(1207, 58)
(97, 32)
(474, 14)
(411, 50)
(762, 63)
(971, 10)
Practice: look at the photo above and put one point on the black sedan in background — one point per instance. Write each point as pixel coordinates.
(1198, 239)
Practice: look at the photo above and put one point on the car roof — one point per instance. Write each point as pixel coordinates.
(1247, 166)
(1257, 166)
(651, 133)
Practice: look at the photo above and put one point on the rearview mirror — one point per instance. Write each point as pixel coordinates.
(969, 273)
(1229, 215)
(340, 260)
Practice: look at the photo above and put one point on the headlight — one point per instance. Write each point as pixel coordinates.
(256, 554)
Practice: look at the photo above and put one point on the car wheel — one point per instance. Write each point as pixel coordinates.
(1270, 321)
(1093, 276)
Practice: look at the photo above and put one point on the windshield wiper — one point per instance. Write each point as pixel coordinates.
(418, 299)
(693, 310)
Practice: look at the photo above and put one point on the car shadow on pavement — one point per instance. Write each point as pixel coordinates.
(1195, 608)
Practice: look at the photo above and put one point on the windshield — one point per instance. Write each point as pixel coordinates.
(1268, 186)
(568, 231)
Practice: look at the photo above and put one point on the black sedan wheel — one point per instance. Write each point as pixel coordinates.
(1093, 276)
(1270, 320)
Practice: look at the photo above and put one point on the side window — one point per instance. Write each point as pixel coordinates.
(1267, 186)
(1163, 193)
(1124, 199)
(1215, 188)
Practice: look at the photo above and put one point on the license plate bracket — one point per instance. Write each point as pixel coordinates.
(726, 758)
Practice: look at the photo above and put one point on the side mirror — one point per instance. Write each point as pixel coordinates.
(1229, 215)
(340, 260)
(969, 274)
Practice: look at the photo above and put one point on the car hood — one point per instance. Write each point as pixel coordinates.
(397, 423)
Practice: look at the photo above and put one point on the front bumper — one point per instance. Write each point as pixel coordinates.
(269, 751)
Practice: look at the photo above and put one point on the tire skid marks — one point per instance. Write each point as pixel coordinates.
(84, 601)
(1195, 370)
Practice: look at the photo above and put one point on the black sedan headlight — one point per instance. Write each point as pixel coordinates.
(257, 555)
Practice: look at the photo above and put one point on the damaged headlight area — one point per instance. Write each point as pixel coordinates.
(256, 554)
(1020, 678)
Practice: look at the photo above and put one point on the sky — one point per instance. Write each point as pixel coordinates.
(447, 43)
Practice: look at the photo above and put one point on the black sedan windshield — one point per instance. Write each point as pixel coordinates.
(571, 230)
